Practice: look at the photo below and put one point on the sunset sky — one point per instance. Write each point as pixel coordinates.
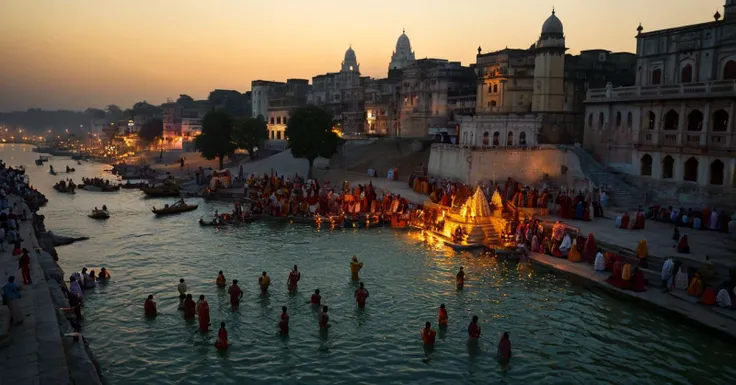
(88, 53)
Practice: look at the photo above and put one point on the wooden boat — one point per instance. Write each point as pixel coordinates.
(39, 162)
(99, 214)
(129, 185)
(110, 188)
(174, 209)
(65, 189)
(160, 191)
(43, 158)
(211, 223)
(52, 172)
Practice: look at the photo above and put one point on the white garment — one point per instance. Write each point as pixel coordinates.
(566, 244)
(182, 287)
(681, 281)
(667, 269)
(723, 299)
(600, 262)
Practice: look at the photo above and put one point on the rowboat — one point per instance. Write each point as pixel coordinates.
(160, 191)
(65, 189)
(174, 209)
(110, 188)
(99, 214)
(39, 162)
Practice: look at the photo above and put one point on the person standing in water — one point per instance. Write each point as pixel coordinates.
(235, 293)
(264, 281)
(428, 334)
(284, 322)
(324, 319)
(203, 314)
(504, 351)
(220, 281)
(460, 278)
(316, 298)
(442, 316)
(474, 329)
(355, 267)
(149, 307)
(221, 343)
(361, 295)
(190, 307)
(182, 287)
(294, 277)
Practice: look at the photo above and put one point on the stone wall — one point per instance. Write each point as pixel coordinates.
(528, 166)
(665, 193)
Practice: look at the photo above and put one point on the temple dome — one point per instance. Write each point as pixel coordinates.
(350, 55)
(552, 25)
(403, 42)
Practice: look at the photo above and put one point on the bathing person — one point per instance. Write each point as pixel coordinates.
(442, 315)
(355, 267)
(264, 281)
(504, 351)
(361, 295)
(235, 293)
(428, 335)
(324, 319)
(149, 307)
(316, 298)
(220, 281)
(182, 288)
(460, 278)
(190, 307)
(294, 277)
(284, 322)
(221, 343)
(474, 329)
(203, 314)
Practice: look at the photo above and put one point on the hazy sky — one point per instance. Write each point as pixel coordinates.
(81, 53)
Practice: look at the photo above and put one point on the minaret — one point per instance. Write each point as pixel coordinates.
(549, 68)
(729, 10)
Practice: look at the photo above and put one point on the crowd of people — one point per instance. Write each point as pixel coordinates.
(712, 219)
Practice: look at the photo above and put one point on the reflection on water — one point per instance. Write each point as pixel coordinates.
(561, 333)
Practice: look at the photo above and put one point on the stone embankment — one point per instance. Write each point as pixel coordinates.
(44, 349)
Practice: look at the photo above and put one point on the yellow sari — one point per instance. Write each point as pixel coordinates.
(574, 255)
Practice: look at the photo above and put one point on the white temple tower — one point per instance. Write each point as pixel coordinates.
(549, 68)
(403, 56)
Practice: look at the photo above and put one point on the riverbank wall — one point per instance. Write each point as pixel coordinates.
(44, 349)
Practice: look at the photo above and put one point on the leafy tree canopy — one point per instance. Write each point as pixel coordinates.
(151, 130)
(310, 135)
(215, 141)
(248, 134)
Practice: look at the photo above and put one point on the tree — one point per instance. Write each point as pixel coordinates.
(310, 134)
(95, 113)
(215, 141)
(248, 134)
(151, 130)
(114, 112)
(185, 100)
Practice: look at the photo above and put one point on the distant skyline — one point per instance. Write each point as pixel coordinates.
(90, 53)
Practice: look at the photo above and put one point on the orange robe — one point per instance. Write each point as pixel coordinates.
(221, 342)
(203, 315)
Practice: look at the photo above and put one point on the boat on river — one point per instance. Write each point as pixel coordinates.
(64, 188)
(52, 172)
(162, 191)
(99, 214)
(97, 188)
(176, 208)
(128, 185)
(39, 162)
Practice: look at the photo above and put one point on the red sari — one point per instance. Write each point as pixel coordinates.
(625, 221)
(221, 342)
(203, 315)
(638, 283)
(589, 250)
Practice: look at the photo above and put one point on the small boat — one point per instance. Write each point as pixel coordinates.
(79, 162)
(39, 162)
(52, 172)
(70, 169)
(64, 189)
(128, 185)
(160, 191)
(110, 188)
(211, 223)
(175, 209)
(99, 214)
(43, 158)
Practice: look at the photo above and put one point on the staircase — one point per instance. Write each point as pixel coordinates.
(621, 194)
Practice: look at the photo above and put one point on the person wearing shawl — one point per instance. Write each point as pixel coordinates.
(600, 262)
(574, 254)
(565, 245)
(221, 342)
(625, 221)
(682, 246)
(642, 252)
(667, 272)
(696, 286)
(681, 281)
(713, 225)
(639, 220)
(579, 210)
(723, 299)
(627, 273)
(203, 314)
(709, 297)
(615, 278)
(589, 249)
(638, 283)
(535, 244)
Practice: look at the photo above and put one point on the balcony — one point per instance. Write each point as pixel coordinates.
(709, 140)
(718, 88)
(505, 110)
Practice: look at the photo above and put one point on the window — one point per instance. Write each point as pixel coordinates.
(278, 120)
(720, 120)
(495, 88)
(668, 167)
(493, 103)
(671, 120)
(278, 135)
(486, 138)
(600, 120)
(651, 120)
(510, 140)
(490, 88)
(716, 173)
(691, 170)
(496, 136)
(729, 70)
(695, 121)
(645, 168)
(686, 76)
(590, 120)
(629, 120)
(273, 134)
(271, 120)
(618, 119)
(657, 76)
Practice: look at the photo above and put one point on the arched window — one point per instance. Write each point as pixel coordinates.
(495, 88)
(510, 140)
(657, 76)
(278, 135)
(496, 136)
(490, 88)
(695, 121)
(600, 120)
(618, 119)
(720, 120)
(671, 120)
(493, 103)
(629, 120)
(668, 167)
(686, 76)
(651, 120)
(691, 170)
(716, 173)
(646, 165)
(590, 120)
(522, 138)
(729, 70)
(486, 138)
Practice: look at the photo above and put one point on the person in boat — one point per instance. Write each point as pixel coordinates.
(203, 314)
(104, 207)
(442, 317)
(221, 343)
(682, 246)
(294, 277)
(182, 288)
(235, 293)
(190, 307)
(355, 267)
(284, 321)
(428, 334)
(361, 295)
(667, 271)
(316, 298)
(149, 307)
(460, 278)
(324, 319)
(220, 281)
(503, 352)
(104, 275)
(474, 329)
(264, 281)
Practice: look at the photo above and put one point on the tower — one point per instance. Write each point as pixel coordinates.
(403, 56)
(350, 64)
(729, 10)
(549, 68)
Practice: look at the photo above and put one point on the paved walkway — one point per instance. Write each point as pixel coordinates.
(36, 352)
(721, 320)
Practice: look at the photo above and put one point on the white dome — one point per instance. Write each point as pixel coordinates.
(552, 25)
(350, 55)
(403, 43)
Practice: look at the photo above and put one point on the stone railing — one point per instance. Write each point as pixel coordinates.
(714, 140)
(664, 91)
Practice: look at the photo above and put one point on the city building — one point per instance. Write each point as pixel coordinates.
(381, 104)
(259, 94)
(672, 131)
(283, 98)
(403, 56)
(171, 116)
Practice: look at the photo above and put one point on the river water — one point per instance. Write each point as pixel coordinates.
(561, 333)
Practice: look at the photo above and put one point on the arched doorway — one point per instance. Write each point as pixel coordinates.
(600, 120)
(645, 168)
(486, 138)
(720, 120)
(686, 76)
(691, 170)
(651, 120)
(668, 167)
(510, 140)
(695, 121)
(729, 70)
(671, 120)
(657, 76)
(618, 119)
(716, 172)
(522, 138)
(496, 136)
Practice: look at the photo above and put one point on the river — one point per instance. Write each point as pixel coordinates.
(561, 332)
